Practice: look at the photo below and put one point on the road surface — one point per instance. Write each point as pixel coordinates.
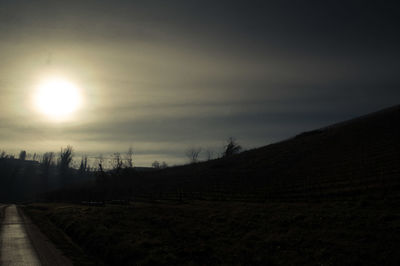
(16, 247)
(22, 243)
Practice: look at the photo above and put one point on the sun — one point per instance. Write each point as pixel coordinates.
(57, 98)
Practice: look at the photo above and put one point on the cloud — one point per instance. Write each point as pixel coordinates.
(166, 76)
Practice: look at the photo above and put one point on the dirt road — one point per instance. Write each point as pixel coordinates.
(22, 243)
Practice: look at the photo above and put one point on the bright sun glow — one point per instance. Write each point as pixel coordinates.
(57, 98)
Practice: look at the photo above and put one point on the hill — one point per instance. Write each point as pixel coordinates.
(324, 197)
(355, 158)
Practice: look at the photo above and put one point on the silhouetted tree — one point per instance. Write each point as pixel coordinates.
(193, 154)
(116, 162)
(22, 155)
(4, 155)
(64, 162)
(156, 164)
(65, 158)
(163, 165)
(47, 160)
(101, 176)
(84, 165)
(129, 157)
(231, 148)
(28, 156)
(100, 161)
(209, 154)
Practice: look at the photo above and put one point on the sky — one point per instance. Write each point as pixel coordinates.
(164, 76)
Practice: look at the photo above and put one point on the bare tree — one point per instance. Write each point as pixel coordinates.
(231, 148)
(193, 154)
(22, 155)
(156, 164)
(65, 158)
(209, 154)
(4, 155)
(129, 157)
(116, 161)
(47, 160)
(100, 161)
(28, 156)
(83, 168)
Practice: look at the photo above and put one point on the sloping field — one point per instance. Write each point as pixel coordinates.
(325, 197)
(356, 158)
(361, 156)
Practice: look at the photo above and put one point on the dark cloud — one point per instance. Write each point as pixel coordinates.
(167, 75)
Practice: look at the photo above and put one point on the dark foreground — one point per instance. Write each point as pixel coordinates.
(330, 196)
(359, 232)
(22, 243)
(16, 248)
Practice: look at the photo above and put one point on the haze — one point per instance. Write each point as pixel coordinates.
(164, 76)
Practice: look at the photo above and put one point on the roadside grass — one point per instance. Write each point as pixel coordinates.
(225, 233)
(2, 213)
(2, 208)
(58, 237)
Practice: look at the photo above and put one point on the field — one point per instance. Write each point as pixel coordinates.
(330, 196)
(1, 214)
(350, 160)
(203, 233)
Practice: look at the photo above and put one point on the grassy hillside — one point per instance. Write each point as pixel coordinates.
(325, 197)
(360, 157)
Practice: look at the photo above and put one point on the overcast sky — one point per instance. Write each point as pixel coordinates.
(163, 76)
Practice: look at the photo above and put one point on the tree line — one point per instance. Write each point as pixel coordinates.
(230, 148)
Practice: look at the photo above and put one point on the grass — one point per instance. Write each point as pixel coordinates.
(216, 233)
(58, 237)
(326, 197)
(354, 159)
(2, 213)
(2, 208)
